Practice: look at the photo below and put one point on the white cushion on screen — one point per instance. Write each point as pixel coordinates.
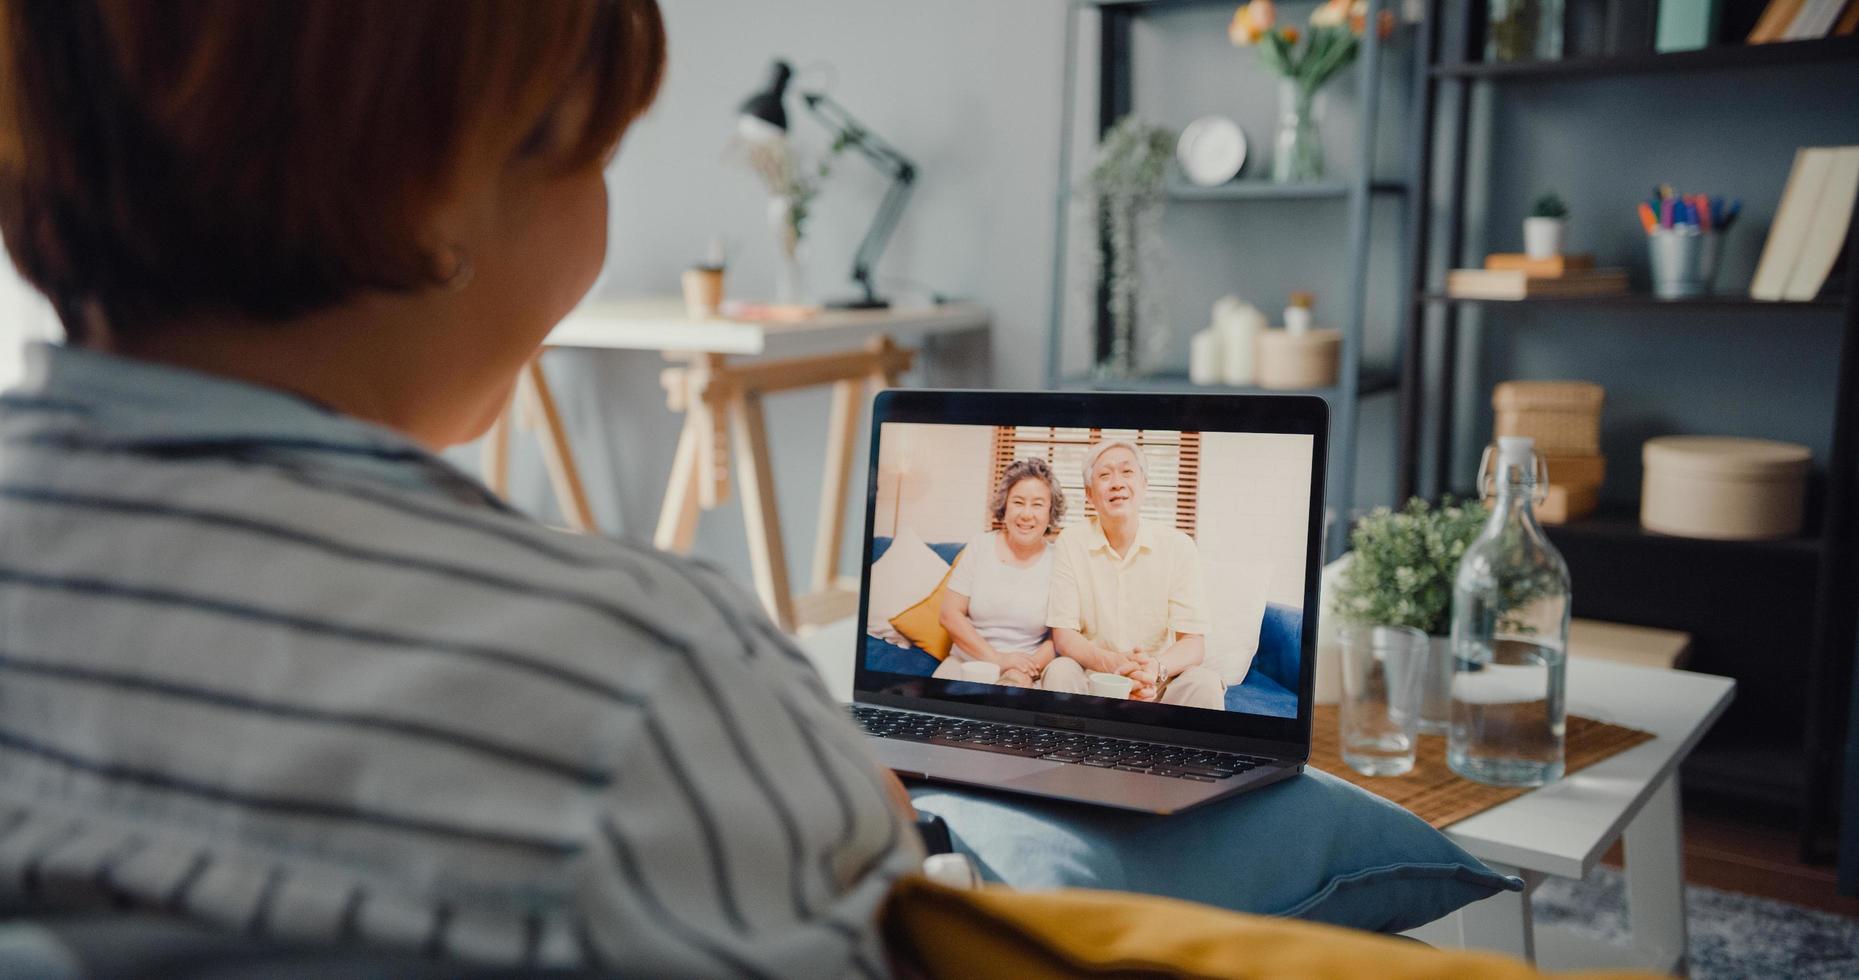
(909, 571)
(1236, 608)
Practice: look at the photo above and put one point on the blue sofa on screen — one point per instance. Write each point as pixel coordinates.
(1269, 687)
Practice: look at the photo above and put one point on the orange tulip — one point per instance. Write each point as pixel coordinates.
(1291, 35)
(1250, 22)
(1358, 20)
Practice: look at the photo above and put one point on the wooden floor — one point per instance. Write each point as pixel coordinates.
(1755, 858)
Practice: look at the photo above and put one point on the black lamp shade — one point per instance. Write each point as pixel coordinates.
(766, 104)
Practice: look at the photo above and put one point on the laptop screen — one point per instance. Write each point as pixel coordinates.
(1145, 574)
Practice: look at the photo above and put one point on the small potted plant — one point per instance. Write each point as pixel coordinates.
(1543, 229)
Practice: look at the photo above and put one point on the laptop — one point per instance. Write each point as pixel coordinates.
(1102, 598)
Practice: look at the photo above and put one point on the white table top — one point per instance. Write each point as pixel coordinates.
(1564, 828)
(662, 325)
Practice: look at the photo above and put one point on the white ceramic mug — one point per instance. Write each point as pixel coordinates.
(1110, 685)
(981, 672)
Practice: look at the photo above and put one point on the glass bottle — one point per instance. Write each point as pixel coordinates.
(1510, 628)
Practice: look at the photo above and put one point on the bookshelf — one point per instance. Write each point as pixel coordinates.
(1779, 615)
(1725, 57)
(1371, 382)
(1649, 303)
(1342, 216)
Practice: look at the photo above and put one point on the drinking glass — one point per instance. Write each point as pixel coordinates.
(1379, 715)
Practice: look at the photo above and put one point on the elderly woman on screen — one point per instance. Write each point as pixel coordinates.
(995, 605)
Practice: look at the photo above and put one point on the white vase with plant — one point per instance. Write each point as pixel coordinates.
(791, 186)
(1544, 231)
(1306, 61)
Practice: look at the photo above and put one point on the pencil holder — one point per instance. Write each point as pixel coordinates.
(1677, 263)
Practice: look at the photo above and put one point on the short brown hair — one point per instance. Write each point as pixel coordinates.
(1030, 468)
(271, 157)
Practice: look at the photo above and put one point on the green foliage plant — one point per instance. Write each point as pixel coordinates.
(1403, 562)
(1549, 205)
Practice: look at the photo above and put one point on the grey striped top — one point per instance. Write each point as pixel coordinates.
(284, 671)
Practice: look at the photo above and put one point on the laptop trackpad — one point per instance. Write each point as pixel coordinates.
(946, 762)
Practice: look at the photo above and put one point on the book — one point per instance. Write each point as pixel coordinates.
(1826, 235)
(1814, 20)
(1550, 268)
(1516, 284)
(1774, 21)
(1792, 218)
(1685, 25)
(1849, 20)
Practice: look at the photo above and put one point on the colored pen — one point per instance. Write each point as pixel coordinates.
(1646, 219)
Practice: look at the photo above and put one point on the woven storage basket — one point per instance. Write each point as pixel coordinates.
(1564, 417)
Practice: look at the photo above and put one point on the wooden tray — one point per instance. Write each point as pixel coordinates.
(1442, 797)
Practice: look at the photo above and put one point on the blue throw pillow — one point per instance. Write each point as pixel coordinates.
(1312, 847)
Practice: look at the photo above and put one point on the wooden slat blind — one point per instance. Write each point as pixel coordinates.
(1173, 459)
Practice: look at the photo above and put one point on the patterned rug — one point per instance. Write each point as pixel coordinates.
(1732, 935)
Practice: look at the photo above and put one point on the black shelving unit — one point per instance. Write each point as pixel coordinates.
(1355, 192)
(1802, 590)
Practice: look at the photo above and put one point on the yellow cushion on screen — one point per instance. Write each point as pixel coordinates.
(921, 624)
(999, 932)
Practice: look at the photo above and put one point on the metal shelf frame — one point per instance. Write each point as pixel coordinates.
(1357, 191)
(1825, 559)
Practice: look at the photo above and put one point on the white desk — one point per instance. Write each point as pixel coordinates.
(1564, 828)
(662, 325)
(853, 351)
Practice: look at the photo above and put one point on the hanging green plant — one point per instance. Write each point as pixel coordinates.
(1125, 192)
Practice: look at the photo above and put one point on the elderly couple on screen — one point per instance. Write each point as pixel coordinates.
(1115, 595)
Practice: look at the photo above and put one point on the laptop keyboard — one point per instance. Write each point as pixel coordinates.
(1179, 762)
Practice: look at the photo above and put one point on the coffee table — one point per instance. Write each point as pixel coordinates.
(1564, 828)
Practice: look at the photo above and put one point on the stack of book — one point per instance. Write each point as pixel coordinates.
(1810, 225)
(1514, 276)
(1805, 20)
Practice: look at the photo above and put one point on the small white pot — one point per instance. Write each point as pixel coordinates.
(1542, 237)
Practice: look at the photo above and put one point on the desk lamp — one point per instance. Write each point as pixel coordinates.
(763, 117)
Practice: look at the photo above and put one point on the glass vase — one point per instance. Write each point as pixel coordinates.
(790, 254)
(1524, 30)
(1298, 152)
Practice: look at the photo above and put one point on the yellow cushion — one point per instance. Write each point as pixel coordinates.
(998, 932)
(921, 624)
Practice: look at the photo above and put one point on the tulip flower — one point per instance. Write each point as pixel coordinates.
(1250, 22)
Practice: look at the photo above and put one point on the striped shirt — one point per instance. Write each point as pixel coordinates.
(284, 671)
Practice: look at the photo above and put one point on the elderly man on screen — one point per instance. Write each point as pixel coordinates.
(1126, 594)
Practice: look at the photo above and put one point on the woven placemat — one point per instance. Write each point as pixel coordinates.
(1440, 796)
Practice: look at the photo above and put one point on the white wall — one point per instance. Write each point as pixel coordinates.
(24, 315)
(933, 479)
(969, 89)
(1255, 504)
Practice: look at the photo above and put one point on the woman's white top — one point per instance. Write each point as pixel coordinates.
(1006, 603)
